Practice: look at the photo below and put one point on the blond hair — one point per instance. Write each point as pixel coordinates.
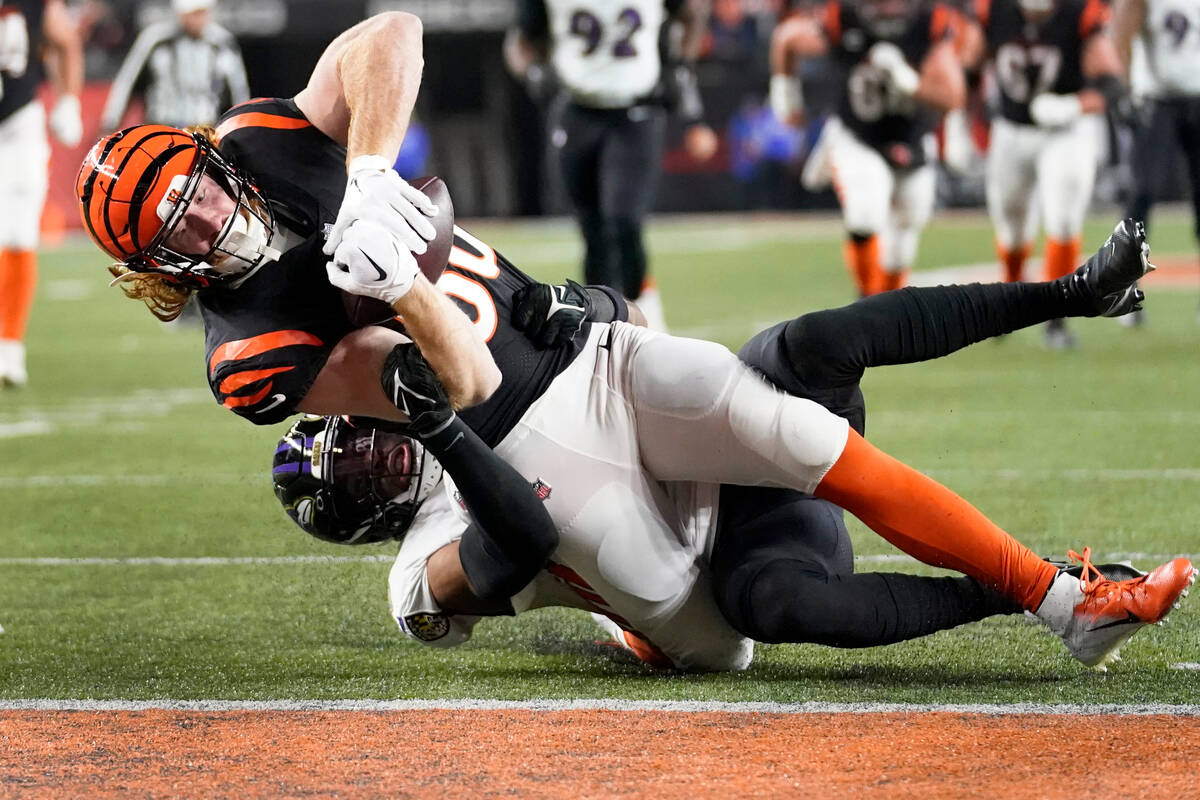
(163, 296)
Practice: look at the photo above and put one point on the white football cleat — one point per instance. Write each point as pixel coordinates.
(1094, 616)
(12, 364)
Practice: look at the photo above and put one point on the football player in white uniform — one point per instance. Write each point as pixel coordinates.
(1056, 71)
(30, 31)
(1157, 41)
(623, 65)
(899, 70)
(626, 446)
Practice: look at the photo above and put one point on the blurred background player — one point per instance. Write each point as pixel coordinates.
(897, 63)
(622, 66)
(1056, 70)
(188, 69)
(31, 32)
(1158, 42)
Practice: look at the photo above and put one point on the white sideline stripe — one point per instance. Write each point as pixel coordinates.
(1167, 474)
(221, 561)
(198, 561)
(587, 704)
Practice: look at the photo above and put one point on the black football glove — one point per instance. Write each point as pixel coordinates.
(551, 314)
(413, 387)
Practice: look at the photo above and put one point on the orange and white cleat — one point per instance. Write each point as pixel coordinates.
(1094, 615)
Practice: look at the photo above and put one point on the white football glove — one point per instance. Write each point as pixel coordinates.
(888, 57)
(958, 149)
(786, 97)
(375, 192)
(371, 262)
(66, 122)
(1055, 110)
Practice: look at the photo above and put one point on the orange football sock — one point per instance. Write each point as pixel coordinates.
(864, 264)
(1013, 261)
(1061, 258)
(18, 280)
(893, 280)
(932, 523)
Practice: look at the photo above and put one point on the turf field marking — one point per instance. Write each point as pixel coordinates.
(602, 704)
(225, 561)
(1169, 474)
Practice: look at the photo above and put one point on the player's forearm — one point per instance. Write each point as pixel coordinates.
(1128, 18)
(943, 85)
(795, 38)
(692, 31)
(450, 344)
(512, 535)
(380, 75)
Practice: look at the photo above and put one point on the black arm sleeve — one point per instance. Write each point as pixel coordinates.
(513, 534)
(608, 305)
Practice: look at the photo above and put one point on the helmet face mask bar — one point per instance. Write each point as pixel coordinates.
(144, 179)
(243, 243)
(352, 485)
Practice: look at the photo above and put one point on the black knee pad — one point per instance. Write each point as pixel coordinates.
(826, 358)
(779, 600)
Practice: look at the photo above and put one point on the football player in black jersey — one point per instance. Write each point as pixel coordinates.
(1056, 70)
(897, 68)
(269, 215)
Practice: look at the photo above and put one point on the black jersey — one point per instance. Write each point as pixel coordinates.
(268, 338)
(20, 53)
(1034, 58)
(889, 123)
(483, 283)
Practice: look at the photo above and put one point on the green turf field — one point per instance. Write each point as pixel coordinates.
(117, 463)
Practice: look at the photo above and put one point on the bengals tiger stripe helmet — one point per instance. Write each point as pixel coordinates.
(134, 189)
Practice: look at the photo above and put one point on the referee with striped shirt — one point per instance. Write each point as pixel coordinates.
(188, 69)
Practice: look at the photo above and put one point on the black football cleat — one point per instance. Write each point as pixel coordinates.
(1107, 281)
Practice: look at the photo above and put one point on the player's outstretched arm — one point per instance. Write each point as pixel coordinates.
(942, 83)
(512, 534)
(1128, 18)
(363, 88)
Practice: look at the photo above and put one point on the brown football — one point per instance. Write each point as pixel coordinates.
(363, 311)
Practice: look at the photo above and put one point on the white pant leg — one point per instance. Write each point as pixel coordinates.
(620, 530)
(1012, 182)
(1066, 174)
(912, 206)
(863, 180)
(25, 158)
(703, 415)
